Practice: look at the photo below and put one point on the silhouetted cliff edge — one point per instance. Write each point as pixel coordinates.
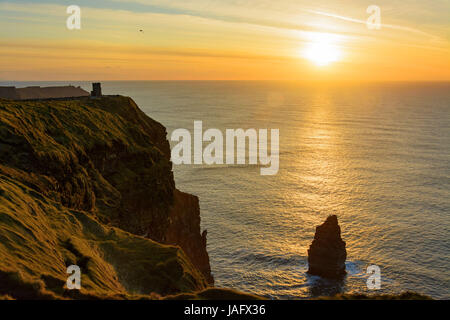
(89, 182)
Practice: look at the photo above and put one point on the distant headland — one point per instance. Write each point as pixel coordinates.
(56, 92)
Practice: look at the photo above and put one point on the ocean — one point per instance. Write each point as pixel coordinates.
(376, 155)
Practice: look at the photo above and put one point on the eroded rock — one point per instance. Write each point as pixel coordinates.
(327, 254)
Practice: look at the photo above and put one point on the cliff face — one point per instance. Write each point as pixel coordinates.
(184, 228)
(98, 166)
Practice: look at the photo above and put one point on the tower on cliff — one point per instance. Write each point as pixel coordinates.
(96, 89)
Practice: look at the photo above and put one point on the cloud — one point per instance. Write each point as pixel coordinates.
(281, 18)
(388, 26)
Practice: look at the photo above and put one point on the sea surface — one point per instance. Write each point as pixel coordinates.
(376, 155)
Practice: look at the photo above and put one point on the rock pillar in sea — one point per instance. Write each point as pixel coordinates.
(327, 254)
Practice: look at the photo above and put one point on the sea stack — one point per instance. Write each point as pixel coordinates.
(327, 254)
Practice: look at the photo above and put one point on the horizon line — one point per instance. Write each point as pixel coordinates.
(240, 80)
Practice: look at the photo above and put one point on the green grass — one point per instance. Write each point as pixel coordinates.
(39, 238)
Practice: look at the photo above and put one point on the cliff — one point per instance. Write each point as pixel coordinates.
(89, 182)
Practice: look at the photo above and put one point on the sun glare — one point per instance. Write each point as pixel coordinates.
(321, 50)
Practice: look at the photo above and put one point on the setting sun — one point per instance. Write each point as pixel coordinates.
(321, 50)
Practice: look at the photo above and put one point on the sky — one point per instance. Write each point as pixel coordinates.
(225, 40)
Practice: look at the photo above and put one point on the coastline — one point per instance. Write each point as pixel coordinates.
(89, 181)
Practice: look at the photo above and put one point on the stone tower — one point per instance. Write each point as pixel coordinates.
(96, 89)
